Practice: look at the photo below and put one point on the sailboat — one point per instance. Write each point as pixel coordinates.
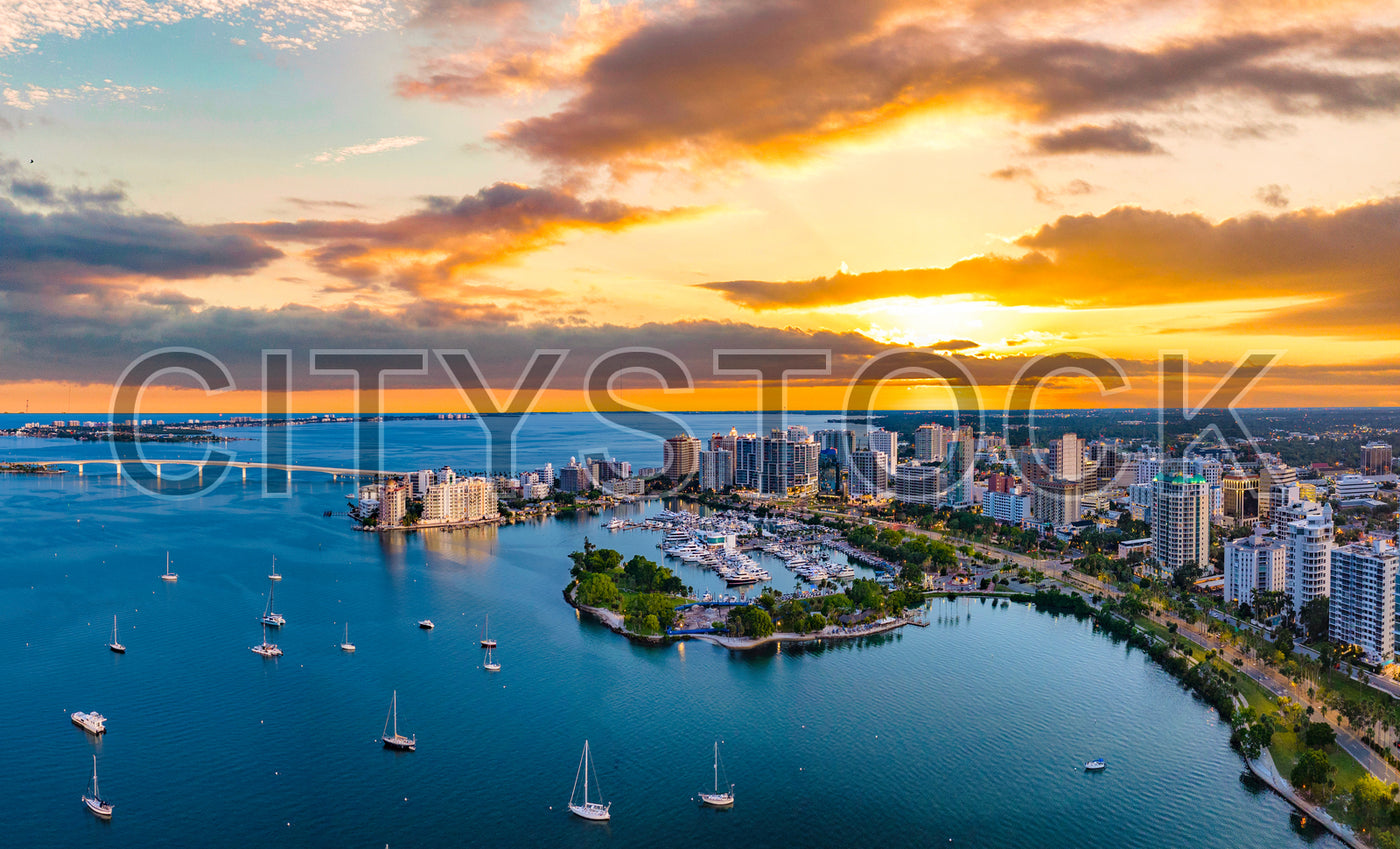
(588, 810)
(274, 576)
(169, 575)
(270, 616)
(490, 665)
(95, 803)
(347, 645)
(486, 641)
(718, 799)
(267, 649)
(397, 740)
(114, 645)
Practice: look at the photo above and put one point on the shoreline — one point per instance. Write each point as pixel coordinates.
(1277, 783)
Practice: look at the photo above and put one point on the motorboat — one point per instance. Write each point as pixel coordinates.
(425, 624)
(93, 723)
(1098, 765)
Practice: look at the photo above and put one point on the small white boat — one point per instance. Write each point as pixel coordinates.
(486, 641)
(425, 624)
(169, 575)
(274, 576)
(594, 811)
(93, 723)
(266, 649)
(271, 617)
(116, 645)
(396, 740)
(95, 803)
(1098, 765)
(718, 799)
(490, 665)
(347, 646)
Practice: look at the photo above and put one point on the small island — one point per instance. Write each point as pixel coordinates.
(648, 604)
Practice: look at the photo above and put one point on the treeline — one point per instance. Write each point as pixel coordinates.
(642, 590)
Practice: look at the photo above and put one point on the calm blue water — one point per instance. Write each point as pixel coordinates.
(969, 731)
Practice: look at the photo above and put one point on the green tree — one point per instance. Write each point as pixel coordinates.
(1319, 734)
(1371, 801)
(750, 621)
(597, 590)
(1313, 618)
(1313, 772)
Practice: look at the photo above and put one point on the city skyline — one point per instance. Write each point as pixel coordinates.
(992, 181)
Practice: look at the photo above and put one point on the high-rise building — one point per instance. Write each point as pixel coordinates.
(1309, 543)
(1375, 458)
(1254, 564)
(1362, 609)
(917, 483)
(1067, 458)
(867, 476)
(716, 469)
(1180, 520)
(776, 466)
(393, 505)
(887, 443)
(997, 482)
(930, 442)
(421, 481)
(1057, 502)
(1272, 475)
(574, 477)
(1353, 486)
(957, 473)
(680, 457)
(1241, 496)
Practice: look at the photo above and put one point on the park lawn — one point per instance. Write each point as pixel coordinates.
(1286, 748)
(1261, 700)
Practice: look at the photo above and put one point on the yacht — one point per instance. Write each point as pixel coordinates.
(396, 740)
(347, 646)
(616, 524)
(486, 641)
(93, 723)
(116, 645)
(1098, 765)
(95, 803)
(490, 665)
(425, 624)
(266, 649)
(169, 575)
(594, 811)
(274, 576)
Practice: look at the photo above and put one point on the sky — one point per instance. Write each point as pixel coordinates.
(1014, 186)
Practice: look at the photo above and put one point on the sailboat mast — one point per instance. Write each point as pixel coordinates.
(585, 771)
(95, 793)
(716, 766)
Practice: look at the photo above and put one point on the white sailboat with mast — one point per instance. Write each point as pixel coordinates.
(116, 645)
(718, 799)
(595, 811)
(169, 576)
(95, 803)
(491, 665)
(347, 646)
(274, 576)
(266, 649)
(486, 641)
(272, 617)
(396, 740)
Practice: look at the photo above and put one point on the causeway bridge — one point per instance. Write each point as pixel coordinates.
(160, 464)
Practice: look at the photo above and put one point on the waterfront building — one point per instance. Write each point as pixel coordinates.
(1180, 520)
(626, 486)
(868, 476)
(716, 469)
(421, 481)
(393, 504)
(574, 477)
(957, 472)
(887, 443)
(681, 457)
(1309, 541)
(1362, 608)
(1375, 458)
(843, 442)
(1254, 564)
(776, 466)
(797, 433)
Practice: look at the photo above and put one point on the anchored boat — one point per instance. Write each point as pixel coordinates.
(595, 811)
